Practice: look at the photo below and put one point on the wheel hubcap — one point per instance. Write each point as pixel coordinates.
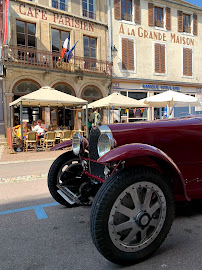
(142, 219)
(137, 216)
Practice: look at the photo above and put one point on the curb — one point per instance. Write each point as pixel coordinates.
(23, 178)
(26, 161)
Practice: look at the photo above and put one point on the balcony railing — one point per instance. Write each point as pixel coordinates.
(32, 58)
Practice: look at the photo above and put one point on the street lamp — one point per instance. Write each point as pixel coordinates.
(114, 51)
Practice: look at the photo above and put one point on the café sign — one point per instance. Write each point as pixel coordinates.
(39, 13)
(156, 35)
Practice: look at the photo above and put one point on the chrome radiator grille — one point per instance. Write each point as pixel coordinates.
(95, 168)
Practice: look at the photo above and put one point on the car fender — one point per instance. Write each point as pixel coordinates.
(136, 150)
(62, 145)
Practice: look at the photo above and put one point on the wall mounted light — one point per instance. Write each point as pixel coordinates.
(114, 51)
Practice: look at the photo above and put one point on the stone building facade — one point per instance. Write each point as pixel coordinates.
(32, 57)
(159, 49)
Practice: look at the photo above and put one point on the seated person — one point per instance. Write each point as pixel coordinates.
(40, 129)
(33, 125)
(17, 130)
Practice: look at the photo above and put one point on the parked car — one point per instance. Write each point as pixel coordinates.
(134, 173)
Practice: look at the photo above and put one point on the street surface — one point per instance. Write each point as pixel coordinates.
(37, 233)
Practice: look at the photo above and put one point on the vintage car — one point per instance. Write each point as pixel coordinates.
(134, 173)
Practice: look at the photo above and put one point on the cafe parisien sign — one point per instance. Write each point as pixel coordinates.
(61, 19)
(154, 35)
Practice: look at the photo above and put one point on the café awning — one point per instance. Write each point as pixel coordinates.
(47, 96)
(115, 101)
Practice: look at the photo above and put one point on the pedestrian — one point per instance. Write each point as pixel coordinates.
(95, 118)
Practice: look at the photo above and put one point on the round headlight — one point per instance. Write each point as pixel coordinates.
(105, 144)
(76, 144)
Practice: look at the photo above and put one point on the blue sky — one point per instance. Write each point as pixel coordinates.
(195, 2)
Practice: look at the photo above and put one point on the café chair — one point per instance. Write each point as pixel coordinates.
(30, 140)
(66, 135)
(58, 133)
(49, 139)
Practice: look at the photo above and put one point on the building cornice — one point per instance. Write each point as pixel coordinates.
(185, 4)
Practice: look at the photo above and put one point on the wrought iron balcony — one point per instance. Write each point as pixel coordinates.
(51, 61)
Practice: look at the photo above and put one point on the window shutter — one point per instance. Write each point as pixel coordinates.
(162, 58)
(180, 21)
(151, 14)
(137, 11)
(185, 58)
(168, 18)
(157, 57)
(187, 62)
(130, 54)
(124, 53)
(117, 9)
(195, 24)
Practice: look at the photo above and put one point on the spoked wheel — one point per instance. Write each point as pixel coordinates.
(65, 171)
(131, 215)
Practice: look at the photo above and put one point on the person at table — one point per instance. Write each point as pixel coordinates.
(17, 130)
(40, 129)
(33, 125)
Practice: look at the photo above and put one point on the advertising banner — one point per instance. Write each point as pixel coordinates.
(5, 38)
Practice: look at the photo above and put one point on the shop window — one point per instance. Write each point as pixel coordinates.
(159, 58)
(187, 62)
(90, 52)
(60, 4)
(91, 94)
(128, 57)
(26, 34)
(64, 88)
(89, 9)
(136, 114)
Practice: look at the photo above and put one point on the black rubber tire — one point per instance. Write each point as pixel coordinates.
(53, 176)
(102, 206)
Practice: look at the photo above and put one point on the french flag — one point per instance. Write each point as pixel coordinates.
(69, 54)
(65, 45)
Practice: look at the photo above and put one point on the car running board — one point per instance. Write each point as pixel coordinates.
(69, 196)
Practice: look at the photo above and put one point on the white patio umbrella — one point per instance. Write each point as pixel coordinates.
(116, 101)
(47, 96)
(171, 98)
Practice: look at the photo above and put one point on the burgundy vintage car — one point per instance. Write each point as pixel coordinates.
(133, 173)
